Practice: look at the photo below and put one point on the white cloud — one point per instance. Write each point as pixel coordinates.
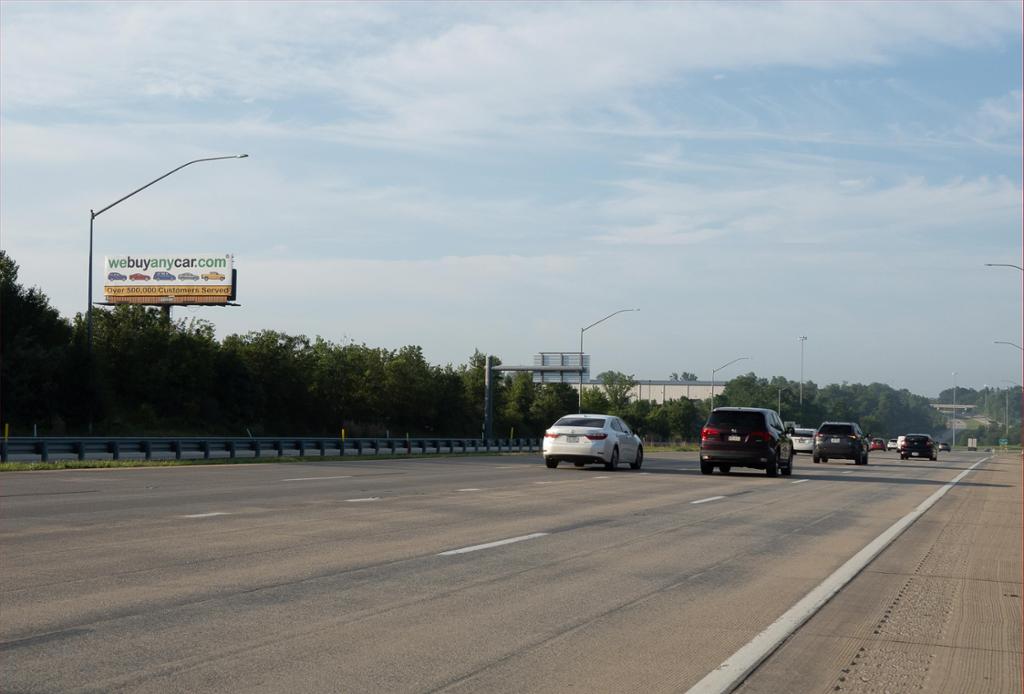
(832, 212)
(486, 68)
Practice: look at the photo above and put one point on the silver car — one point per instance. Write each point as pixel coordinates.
(592, 438)
(803, 441)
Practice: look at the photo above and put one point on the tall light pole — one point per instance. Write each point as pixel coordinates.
(92, 217)
(1000, 342)
(1006, 408)
(714, 371)
(952, 446)
(583, 330)
(803, 339)
(1004, 265)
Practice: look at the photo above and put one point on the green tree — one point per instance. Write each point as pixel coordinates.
(617, 387)
(36, 344)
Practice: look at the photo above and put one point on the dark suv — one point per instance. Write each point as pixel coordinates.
(840, 440)
(746, 437)
(919, 446)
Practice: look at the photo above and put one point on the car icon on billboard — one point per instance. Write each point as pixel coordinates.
(115, 276)
(213, 276)
(161, 275)
(139, 276)
(188, 276)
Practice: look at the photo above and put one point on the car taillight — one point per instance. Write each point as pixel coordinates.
(708, 432)
(819, 437)
(759, 436)
(549, 435)
(597, 437)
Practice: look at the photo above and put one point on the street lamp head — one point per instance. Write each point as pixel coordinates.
(241, 156)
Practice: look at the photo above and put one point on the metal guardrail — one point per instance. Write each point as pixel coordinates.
(70, 448)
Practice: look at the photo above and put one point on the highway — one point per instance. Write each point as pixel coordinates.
(495, 574)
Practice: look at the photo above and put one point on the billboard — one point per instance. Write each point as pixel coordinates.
(201, 278)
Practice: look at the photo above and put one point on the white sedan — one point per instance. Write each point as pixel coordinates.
(592, 438)
(803, 440)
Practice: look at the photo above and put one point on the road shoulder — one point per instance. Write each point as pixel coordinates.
(938, 611)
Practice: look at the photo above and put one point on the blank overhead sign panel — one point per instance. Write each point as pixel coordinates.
(550, 361)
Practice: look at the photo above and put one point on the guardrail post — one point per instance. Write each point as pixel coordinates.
(115, 449)
(176, 446)
(44, 451)
(204, 446)
(80, 446)
(302, 448)
(359, 446)
(147, 447)
(232, 449)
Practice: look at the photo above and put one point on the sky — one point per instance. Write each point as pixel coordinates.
(497, 176)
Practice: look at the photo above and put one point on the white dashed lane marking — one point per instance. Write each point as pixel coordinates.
(710, 498)
(489, 545)
(207, 515)
(369, 498)
(470, 489)
(304, 479)
(799, 481)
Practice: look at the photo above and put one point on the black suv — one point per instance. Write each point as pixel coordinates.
(840, 440)
(746, 437)
(919, 445)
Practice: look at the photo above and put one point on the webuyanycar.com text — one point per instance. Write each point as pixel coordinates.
(166, 263)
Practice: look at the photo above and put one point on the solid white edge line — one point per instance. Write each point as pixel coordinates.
(369, 498)
(207, 515)
(303, 479)
(468, 489)
(488, 545)
(740, 664)
(710, 498)
(799, 481)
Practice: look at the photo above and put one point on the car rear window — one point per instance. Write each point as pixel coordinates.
(804, 432)
(594, 422)
(737, 419)
(845, 429)
(917, 439)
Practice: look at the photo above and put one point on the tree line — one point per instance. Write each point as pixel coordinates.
(148, 375)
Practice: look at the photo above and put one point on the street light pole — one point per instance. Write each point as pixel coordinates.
(1000, 342)
(92, 217)
(803, 339)
(952, 446)
(583, 330)
(715, 371)
(1006, 408)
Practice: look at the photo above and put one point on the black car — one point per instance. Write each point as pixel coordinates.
(746, 437)
(842, 440)
(919, 446)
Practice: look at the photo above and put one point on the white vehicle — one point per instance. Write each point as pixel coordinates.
(592, 438)
(892, 445)
(899, 443)
(803, 440)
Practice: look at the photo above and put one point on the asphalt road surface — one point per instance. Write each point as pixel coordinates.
(495, 574)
